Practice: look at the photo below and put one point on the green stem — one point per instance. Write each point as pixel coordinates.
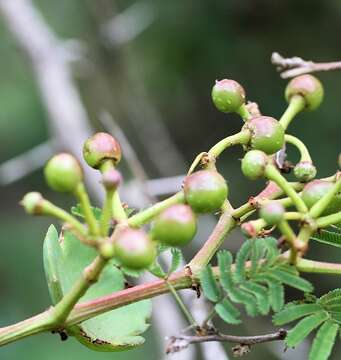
(55, 211)
(225, 224)
(318, 267)
(305, 233)
(328, 220)
(106, 213)
(244, 113)
(290, 238)
(89, 276)
(296, 105)
(118, 212)
(83, 198)
(273, 174)
(147, 215)
(241, 138)
(181, 304)
(318, 208)
(293, 140)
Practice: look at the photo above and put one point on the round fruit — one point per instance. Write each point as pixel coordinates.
(315, 190)
(134, 248)
(111, 179)
(205, 191)
(32, 203)
(175, 226)
(254, 163)
(305, 171)
(228, 95)
(272, 212)
(267, 134)
(307, 86)
(63, 172)
(100, 148)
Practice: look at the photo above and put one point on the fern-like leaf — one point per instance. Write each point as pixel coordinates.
(261, 294)
(324, 341)
(304, 327)
(209, 284)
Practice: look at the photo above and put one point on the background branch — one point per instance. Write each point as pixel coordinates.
(294, 66)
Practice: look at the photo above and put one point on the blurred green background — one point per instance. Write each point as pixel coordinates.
(163, 74)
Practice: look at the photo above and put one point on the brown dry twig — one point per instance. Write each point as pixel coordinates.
(294, 66)
(178, 343)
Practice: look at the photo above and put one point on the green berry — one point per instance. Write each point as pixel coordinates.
(63, 172)
(315, 190)
(307, 86)
(267, 134)
(305, 171)
(254, 163)
(111, 179)
(228, 95)
(134, 248)
(205, 191)
(175, 226)
(272, 212)
(33, 203)
(100, 148)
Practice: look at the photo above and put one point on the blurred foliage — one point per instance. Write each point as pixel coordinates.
(170, 67)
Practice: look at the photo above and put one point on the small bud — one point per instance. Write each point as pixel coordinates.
(307, 86)
(33, 203)
(175, 226)
(272, 212)
(267, 134)
(248, 229)
(304, 171)
(111, 179)
(134, 248)
(100, 148)
(205, 191)
(254, 163)
(63, 173)
(228, 95)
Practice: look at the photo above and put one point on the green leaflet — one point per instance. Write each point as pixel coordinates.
(261, 294)
(304, 327)
(285, 277)
(293, 312)
(115, 330)
(177, 259)
(276, 291)
(209, 284)
(225, 261)
(329, 237)
(228, 312)
(241, 258)
(324, 341)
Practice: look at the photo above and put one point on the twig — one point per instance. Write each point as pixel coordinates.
(294, 66)
(24, 164)
(178, 343)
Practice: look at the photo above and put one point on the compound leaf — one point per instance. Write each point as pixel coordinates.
(177, 259)
(328, 237)
(289, 278)
(241, 258)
